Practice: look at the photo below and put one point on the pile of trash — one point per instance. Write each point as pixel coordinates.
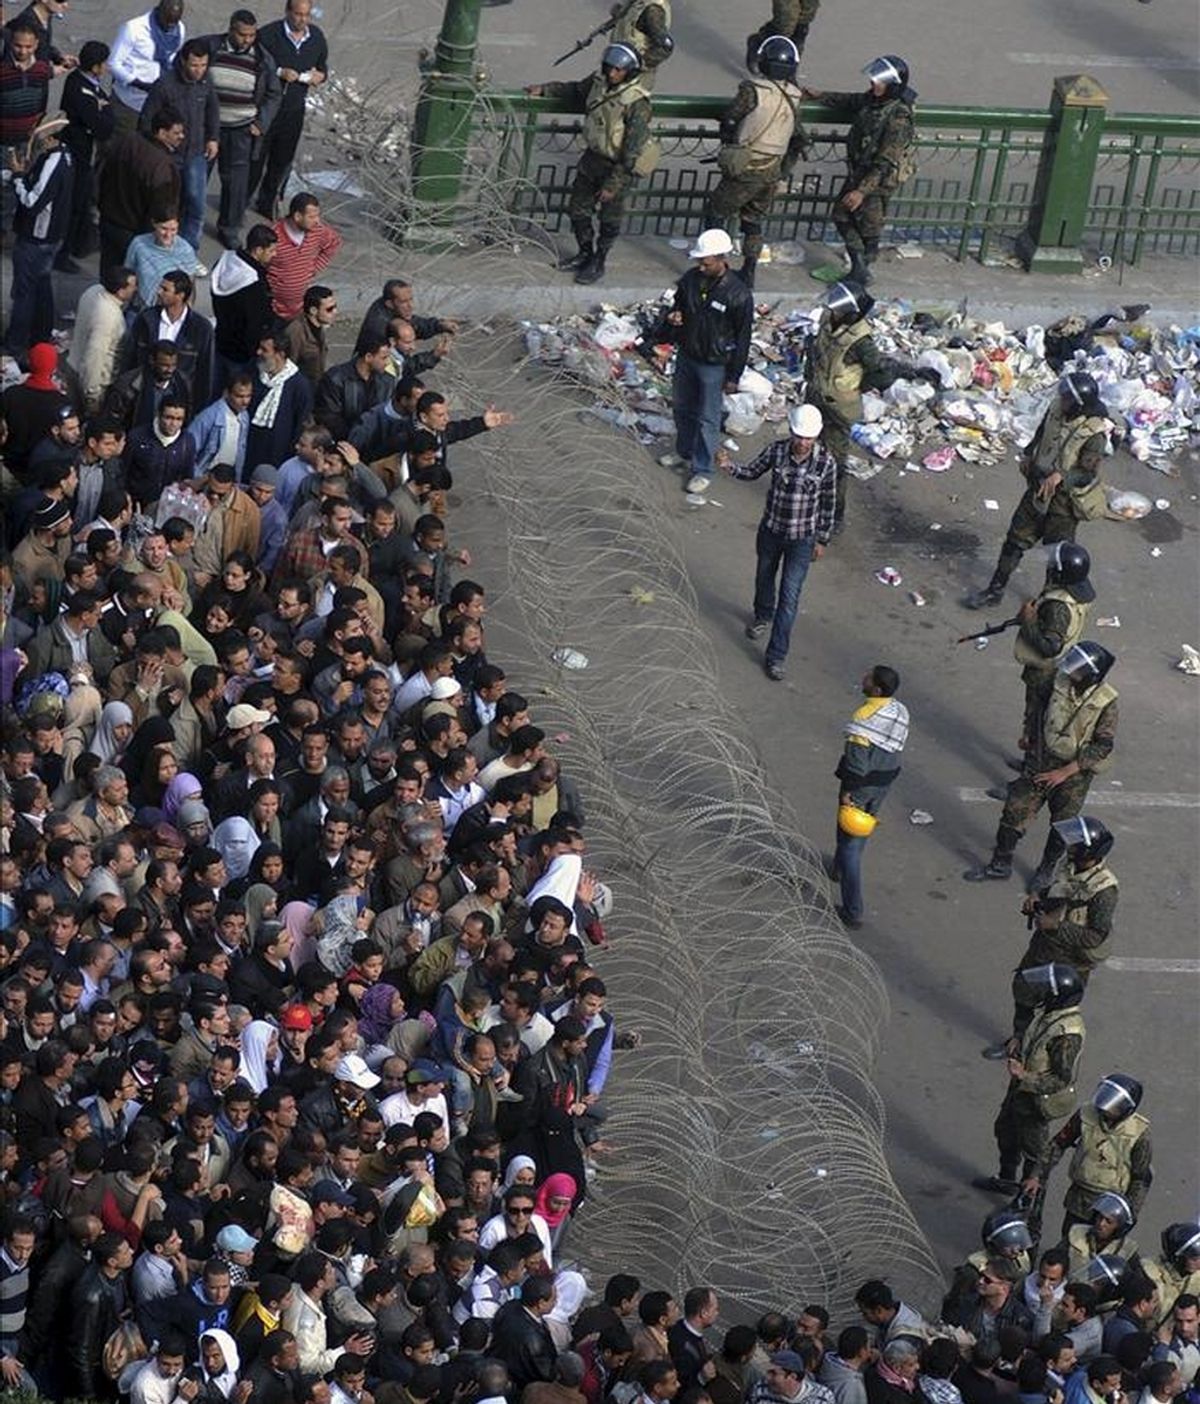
(996, 382)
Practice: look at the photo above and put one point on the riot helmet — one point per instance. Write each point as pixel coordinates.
(1078, 390)
(1005, 1232)
(622, 56)
(1055, 986)
(1086, 664)
(778, 58)
(1087, 839)
(1069, 564)
(1181, 1242)
(1116, 1207)
(1117, 1096)
(847, 302)
(890, 69)
(1104, 1273)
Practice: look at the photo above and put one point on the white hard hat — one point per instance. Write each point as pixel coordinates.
(805, 421)
(713, 243)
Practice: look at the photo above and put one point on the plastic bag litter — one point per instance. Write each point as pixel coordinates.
(1190, 662)
(616, 333)
(757, 386)
(570, 658)
(744, 417)
(1130, 505)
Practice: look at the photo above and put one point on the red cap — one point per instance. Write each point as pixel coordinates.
(296, 1016)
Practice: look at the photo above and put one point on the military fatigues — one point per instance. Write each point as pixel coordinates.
(1050, 1053)
(616, 128)
(761, 140)
(645, 25)
(1073, 727)
(843, 362)
(1082, 1246)
(1106, 1157)
(1062, 446)
(1040, 643)
(1171, 1283)
(879, 155)
(791, 18)
(1087, 902)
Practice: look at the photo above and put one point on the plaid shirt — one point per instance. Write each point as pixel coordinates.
(802, 496)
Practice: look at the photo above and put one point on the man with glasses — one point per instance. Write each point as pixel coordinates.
(233, 524)
(304, 336)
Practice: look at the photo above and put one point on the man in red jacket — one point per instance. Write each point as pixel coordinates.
(305, 248)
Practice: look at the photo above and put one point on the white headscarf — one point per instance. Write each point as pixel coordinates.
(235, 840)
(227, 1379)
(255, 1070)
(104, 743)
(561, 880)
(518, 1163)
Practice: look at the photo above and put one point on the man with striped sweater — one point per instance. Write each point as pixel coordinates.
(248, 91)
(15, 1254)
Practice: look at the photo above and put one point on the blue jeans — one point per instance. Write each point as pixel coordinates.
(194, 177)
(796, 557)
(696, 400)
(847, 864)
(31, 313)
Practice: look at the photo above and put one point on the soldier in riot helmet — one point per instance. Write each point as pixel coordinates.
(761, 141)
(1042, 1074)
(1177, 1272)
(645, 26)
(790, 19)
(1004, 1234)
(1112, 1150)
(880, 155)
(1049, 625)
(1071, 918)
(1061, 468)
(1106, 1234)
(843, 361)
(616, 128)
(1075, 737)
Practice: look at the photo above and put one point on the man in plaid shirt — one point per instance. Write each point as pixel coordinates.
(796, 525)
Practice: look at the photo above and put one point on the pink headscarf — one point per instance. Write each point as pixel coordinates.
(297, 917)
(560, 1186)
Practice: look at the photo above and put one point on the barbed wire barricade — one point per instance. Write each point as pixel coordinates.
(749, 1134)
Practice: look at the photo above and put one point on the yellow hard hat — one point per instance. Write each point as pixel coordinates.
(856, 822)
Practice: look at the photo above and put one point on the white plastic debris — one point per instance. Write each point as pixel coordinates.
(1130, 505)
(889, 575)
(1110, 621)
(570, 658)
(920, 816)
(1190, 662)
(991, 504)
(1156, 551)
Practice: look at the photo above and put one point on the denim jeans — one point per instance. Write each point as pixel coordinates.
(795, 556)
(696, 400)
(194, 177)
(847, 864)
(31, 313)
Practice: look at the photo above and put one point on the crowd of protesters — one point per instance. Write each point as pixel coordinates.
(303, 1050)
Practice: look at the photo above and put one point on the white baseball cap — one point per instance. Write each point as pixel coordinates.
(245, 715)
(354, 1069)
(805, 421)
(713, 243)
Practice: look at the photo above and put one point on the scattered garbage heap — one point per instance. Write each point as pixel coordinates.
(996, 381)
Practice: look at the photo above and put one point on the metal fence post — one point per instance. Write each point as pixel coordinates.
(1050, 243)
(442, 129)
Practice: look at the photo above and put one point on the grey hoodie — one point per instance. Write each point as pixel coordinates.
(844, 1381)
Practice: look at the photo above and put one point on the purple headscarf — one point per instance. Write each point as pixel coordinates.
(375, 1018)
(183, 787)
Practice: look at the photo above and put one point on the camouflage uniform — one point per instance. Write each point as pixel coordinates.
(647, 30)
(750, 195)
(878, 145)
(1041, 641)
(791, 18)
(1026, 795)
(1056, 520)
(596, 173)
(1087, 902)
(1050, 1050)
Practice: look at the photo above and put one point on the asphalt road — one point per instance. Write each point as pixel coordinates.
(947, 947)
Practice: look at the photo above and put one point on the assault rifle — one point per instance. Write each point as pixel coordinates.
(609, 24)
(991, 629)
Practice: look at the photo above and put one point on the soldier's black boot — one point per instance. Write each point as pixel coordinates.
(586, 251)
(860, 271)
(593, 270)
(999, 867)
(1005, 1182)
(993, 592)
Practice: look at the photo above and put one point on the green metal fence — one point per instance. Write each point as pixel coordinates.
(975, 192)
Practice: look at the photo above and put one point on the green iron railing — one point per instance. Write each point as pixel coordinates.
(974, 193)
